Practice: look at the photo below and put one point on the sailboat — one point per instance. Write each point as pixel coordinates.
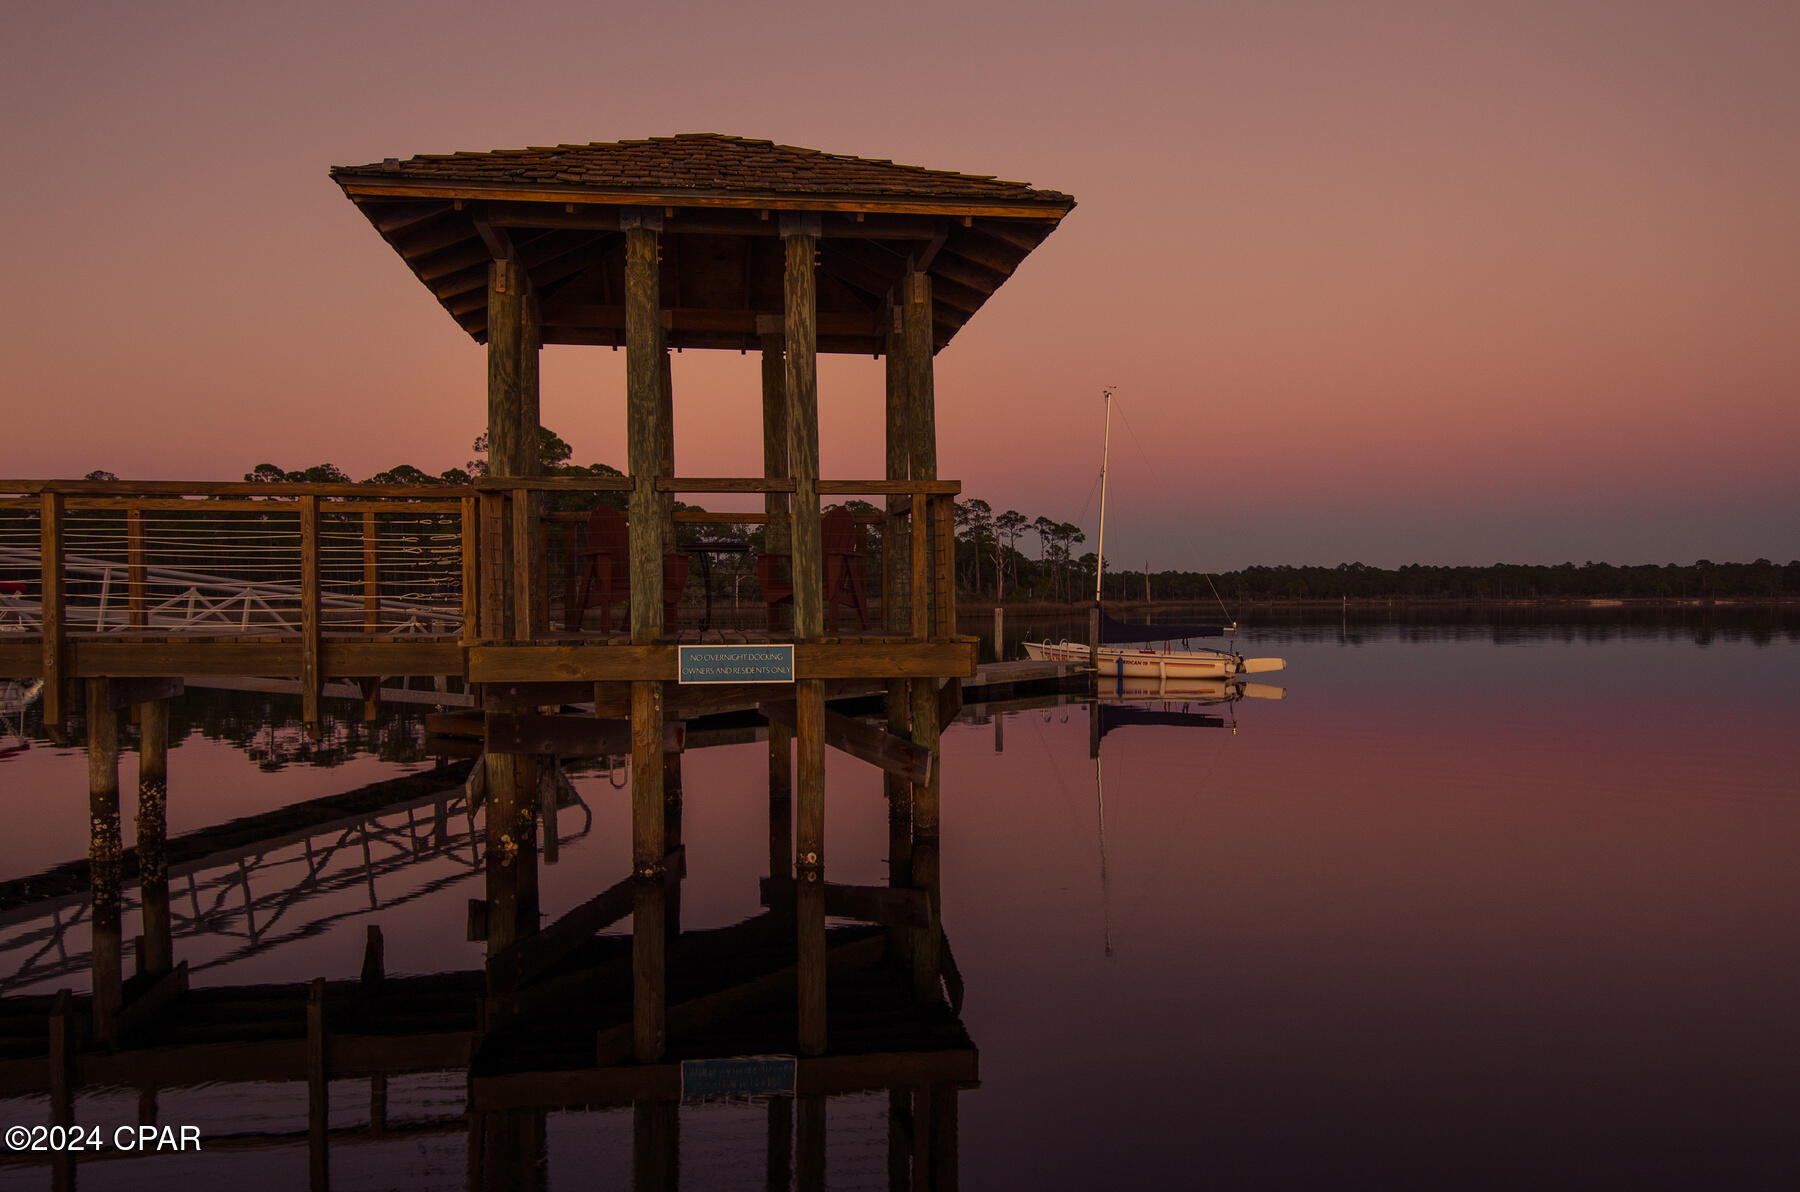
(1162, 663)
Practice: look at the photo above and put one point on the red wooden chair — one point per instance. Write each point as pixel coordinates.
(841, 541)
(608, 555)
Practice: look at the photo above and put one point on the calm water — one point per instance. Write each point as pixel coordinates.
(1471, 907)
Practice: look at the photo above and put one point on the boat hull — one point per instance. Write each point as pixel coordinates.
(1140, 664)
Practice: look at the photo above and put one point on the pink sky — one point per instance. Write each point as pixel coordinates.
(1387, 282)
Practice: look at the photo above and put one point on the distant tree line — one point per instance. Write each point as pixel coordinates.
(990, 564)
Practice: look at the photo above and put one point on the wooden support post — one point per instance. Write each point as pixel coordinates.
(1094, 638)
(778, 1172)
(811, 1135)
(999, 732)
(665, 437)
(800, 235)
(137, 571)
(51, 600)
(152, 837)
(944, 1157)
(921, 1138)
(921, 425)
(378, 1098)
(781, 802)
(103, 859)
(671, 766)
(999, 633)
(310, 627)
(643, 415)
(777, 536)
(531, 339)
(506, 450)
(649, 955)
(896, 576)
(655, 1146)
(899, 1140)
(927, 942)
(318, 1089)
(371, 545)
(502, 848)
(374, 964)
(64, 1043)
(809, 865)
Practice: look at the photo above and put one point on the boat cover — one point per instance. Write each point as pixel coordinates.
(1120, 715)
(1113, 632)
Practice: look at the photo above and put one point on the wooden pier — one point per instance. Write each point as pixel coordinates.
(692, 242)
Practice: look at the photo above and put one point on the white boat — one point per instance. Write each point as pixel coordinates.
(1114, 657)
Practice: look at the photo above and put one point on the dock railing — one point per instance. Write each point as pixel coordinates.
(256, 562)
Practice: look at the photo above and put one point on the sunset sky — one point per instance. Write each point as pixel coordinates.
(1433, 282)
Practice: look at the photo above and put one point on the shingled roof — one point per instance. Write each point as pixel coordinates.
(560, 212)
(699, 162)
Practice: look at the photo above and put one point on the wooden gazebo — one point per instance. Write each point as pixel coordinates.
(711, 241)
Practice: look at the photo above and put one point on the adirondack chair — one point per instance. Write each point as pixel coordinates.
(608, 555)
(841, 541)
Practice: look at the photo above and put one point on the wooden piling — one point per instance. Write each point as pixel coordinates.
(999, 633)
(648, 850)
(318, 1089)
(779, 1165)
(643, 415)
(152, 836)
(103, 859)
(809, 864)
(811, 1133)
(800, 293)
(943, 1129)
(671, 767)
(655, 1146)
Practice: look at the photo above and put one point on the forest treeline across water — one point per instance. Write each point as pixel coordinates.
(1008, 556)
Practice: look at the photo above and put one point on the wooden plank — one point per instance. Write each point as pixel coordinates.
(950, 701)
(569, 736)
(888, 487)
(722, 484)
(156, 999)
(54, 650)
(879, 748)
(812, 660)
(888, 905)
(1049, 211)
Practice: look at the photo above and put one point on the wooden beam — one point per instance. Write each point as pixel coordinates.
(812, 660)
(864, 742)
(886, 905)
(534, 955)
(364, 187)
(568, 736)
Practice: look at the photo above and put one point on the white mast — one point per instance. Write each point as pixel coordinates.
(1100, 546)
